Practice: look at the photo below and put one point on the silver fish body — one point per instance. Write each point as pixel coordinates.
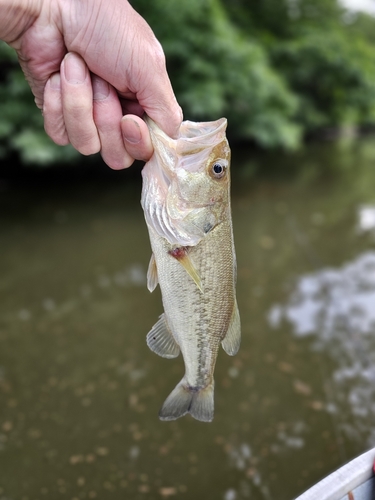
(186, 201)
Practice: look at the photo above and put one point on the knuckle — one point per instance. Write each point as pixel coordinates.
(60, 140)
(77, 111)
(88, 150)
(117, 162)
(55, 129)
(178, 115)
(159, 57)
(127, 163)
(154, 54)
(86, 147)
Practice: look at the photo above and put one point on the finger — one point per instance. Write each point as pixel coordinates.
(162, 107)
(77, 102)
(156, 95)
(151, 82)
(136, 137)
(131, 107)
(40, 55)
(53, 111)
(107, 116)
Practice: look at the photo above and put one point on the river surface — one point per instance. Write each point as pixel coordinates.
(80, 390)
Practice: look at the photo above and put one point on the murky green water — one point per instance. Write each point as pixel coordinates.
(80, 390)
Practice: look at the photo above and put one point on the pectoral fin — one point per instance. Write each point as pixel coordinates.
(232, 340)
(161, 341)
(181, 254)
(152, 274)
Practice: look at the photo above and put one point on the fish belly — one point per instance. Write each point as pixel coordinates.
(197, 318)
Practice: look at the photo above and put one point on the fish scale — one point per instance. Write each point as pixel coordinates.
(197, 280)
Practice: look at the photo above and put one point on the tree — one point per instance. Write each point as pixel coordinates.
(217, 71)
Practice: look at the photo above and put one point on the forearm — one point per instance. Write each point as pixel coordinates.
(16, 16)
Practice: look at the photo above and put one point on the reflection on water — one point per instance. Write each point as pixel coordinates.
(366, 218)
(337, 307)
(80, 390)
(335, 304)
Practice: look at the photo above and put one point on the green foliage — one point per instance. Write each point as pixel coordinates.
(21, 123)
(333, 76)
(283, 19)
(217, 71)
(360, 26)
(277, 69)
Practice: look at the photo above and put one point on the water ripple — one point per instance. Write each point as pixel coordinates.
(336, 306)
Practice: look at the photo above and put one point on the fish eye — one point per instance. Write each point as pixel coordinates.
(218, 169)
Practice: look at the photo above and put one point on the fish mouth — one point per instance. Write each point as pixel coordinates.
(195, 140)
(203, 133)
(167, 210)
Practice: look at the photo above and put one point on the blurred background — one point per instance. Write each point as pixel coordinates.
(79, 388)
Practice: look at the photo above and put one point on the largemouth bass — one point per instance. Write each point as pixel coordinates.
(186, 202)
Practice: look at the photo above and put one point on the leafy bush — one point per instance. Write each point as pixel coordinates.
(216, 71)
(277, 69)
(334, 78)
(21, 123)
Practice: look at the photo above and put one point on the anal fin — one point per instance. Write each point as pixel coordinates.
(232, 340)
(161, 341)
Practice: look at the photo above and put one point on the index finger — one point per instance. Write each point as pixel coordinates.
(162, 105)
(154, 90)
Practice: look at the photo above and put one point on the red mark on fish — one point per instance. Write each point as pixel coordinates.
(178, 253)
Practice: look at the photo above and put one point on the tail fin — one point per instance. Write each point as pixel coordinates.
(185, 399)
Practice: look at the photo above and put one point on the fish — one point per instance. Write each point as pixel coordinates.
(186, 204)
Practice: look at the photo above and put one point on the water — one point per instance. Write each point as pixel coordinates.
(80, 390)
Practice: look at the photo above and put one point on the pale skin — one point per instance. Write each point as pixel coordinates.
(94, 67)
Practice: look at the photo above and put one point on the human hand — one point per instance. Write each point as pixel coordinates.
(61, 42)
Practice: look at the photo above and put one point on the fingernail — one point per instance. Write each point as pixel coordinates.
(55, 81)
(100, 88)
(131, 131)
(75, 69)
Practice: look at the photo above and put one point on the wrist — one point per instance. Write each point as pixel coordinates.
(16, 16)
